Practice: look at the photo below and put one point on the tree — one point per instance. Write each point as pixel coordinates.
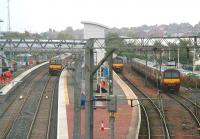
(69, 30)
(185, 54)
(64, 36)
(114, 41)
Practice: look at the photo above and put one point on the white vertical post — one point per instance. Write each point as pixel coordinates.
(195, 44)
(193, 67)
(178, 58)
(100, 81)
(1, 55)
(1, 51)
(8, 16)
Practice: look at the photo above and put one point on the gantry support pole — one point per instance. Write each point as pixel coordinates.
(89, 62)
(110, 75)
(193, 61)
(77, 94)
(111, 117)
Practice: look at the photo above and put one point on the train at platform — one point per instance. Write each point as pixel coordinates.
(58, 63)
(55, 66)
(169, 79)
(118, 64)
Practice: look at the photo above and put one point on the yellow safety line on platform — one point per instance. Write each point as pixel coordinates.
(127, 91)
(66, 90)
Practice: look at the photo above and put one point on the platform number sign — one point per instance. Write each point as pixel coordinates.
(105, 72)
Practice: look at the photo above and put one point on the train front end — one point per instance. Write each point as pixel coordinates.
(170, 82)
(55, 67)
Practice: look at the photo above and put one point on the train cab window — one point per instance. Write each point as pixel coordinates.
(53, 61)
(117, 61)
(59, 61)
(171, 74)
(167, 75)
(175, 74)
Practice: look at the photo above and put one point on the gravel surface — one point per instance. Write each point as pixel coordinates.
(179, 120)
(21, 125)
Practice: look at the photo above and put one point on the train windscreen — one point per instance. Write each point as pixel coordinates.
(53, 62)
(117, 61)
(171, 74)
(175, 74)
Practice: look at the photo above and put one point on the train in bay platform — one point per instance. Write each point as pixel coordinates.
(58, 63)
(169, 79)
(118, 64)
(55, 66)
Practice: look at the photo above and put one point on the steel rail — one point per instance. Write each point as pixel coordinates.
(166, 130)
(24, 84)
(37, 109)
(15, 116)
(50, 112)
(188, 109)
(147, 119)
(189, 100)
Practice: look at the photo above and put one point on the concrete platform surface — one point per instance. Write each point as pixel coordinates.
(122, 122)
(127, 119)
(16, 80)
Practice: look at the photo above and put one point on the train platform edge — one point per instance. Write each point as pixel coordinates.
(63, 100)
(65, 113)
(136, 111)
(16, 81)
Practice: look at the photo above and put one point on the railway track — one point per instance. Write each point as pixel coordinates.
(194, 104)
(153, 128)
(189, 105)
(179, 119)
(24, 118)
(13, 104)
(19, 118)
(26, 124)
(146, 123)
(40, 127)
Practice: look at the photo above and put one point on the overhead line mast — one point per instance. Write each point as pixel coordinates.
(8, 26)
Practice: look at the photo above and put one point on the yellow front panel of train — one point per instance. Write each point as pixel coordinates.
(171, 81)
(55, 66)
(118, 65)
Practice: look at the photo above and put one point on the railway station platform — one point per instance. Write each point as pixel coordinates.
(16, 81)
(127, 118)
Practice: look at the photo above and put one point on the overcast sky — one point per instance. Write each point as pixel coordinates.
(40, 15)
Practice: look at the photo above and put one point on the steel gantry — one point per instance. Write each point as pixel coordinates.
(130, 43)
(90, 69)
(63, 45)
(40, 45)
